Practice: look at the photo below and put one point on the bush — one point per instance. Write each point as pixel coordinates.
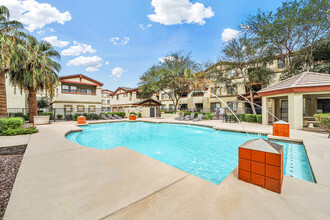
(75, 116)
(323, 119)
(208, 116)
(132, 113)
(59, 116)
(21, 131)
(50, 114)
(241, 117)
(121, 114)
(259, 118)
(251, 118)
(10, 123)
(95, 117)
(139, 115)
(88, 116)
(69, 117)
(19, 114)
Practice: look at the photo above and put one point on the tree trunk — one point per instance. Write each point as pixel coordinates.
(3, 96)
(33, 109)
(252, 102)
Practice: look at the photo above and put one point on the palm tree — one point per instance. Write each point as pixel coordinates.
(10, 37)
(39, 72)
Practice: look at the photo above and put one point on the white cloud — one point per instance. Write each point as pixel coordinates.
(107, 63)
(55, 42)
(118, 41)
(78, 49)
(34, 14)
(163, 59)
(51, 29)
(170, 12)
(41, 32)
(92, 63)
(145, 27)
(117, 72)
(229, 34)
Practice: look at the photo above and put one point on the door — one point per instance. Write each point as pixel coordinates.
(326, 107)
(152, 112)
(284, 110)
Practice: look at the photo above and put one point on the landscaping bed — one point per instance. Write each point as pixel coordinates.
(10, 161)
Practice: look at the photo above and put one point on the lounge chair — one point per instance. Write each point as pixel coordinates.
(180, 117)
(104, 117)
(199, 117)
(185, 118)
(110, 116)
(192, 115)
(115, 116)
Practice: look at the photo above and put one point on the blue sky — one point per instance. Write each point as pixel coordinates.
(89, 26)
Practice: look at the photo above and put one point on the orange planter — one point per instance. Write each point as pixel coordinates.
(261, 163)
(81, 120)
(281, 128)
(132, 117)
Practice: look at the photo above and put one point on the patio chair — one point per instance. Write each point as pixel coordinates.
(104, 117)
(192, 115)
(185, 118)
(117, 116)
(110, 116)
(199, 117)
(180, 117)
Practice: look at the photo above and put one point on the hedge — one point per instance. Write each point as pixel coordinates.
(208, 116)
(50, 114)
(259, 118)
(323, 119)
(251, 118)
(121, 114)
(10, 123)
(20, 131)
(19, 114)
(59, 116)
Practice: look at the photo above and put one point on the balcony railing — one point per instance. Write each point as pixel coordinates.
(78, 93)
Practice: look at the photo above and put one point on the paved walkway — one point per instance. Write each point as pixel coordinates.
(59, 179)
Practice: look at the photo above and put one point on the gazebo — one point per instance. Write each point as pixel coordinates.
(297, 99)
(149, 107)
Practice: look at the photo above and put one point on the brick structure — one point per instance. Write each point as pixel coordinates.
(281, 128)
(261, 163)
(81, 120)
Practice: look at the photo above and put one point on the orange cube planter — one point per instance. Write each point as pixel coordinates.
(281, 128)
(261, 163)
(132, 117)
(81, 120)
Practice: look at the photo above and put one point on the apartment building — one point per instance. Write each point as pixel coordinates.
(74, 94)
(106, 100)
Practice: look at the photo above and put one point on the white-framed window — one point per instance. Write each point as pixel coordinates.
(163, 107)
(215, 106)
(65, 88)
(171, 107)
(73, 89)
(233, 106)
(231, 91)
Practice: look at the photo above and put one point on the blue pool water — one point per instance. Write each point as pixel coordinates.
(200, 151)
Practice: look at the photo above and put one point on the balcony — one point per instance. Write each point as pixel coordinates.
(78, 93)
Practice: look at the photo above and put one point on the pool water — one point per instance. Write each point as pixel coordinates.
(200, 151)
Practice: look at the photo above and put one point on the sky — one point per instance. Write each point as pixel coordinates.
(116, 41)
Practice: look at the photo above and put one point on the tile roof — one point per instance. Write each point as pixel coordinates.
(305, 79)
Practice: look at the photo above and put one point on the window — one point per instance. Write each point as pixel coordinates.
(216, 91)
(215, 106)
(164, 96)
(108, 102)
(68, 108)
(82, 90)
(171, 107)
(117, 97)
(233, 106)
(231, 91)
(280, 64)
(198, 94)
(137, 95)
(185, 94)
(80, 108)
(163, 107)
(65, 88)
(73, 89)
(231, 73)
(91, 108)
(89, 91)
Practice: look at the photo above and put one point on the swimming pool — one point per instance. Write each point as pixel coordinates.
(200, 151)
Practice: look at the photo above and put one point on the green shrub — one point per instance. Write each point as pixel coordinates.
(259, 118)
(88, 116)
(95, 117)
(121, 114)
(208, 116)
(21, 131)
(75, 116)
(69, 117)
(323, 119)
(251, 118)
(132, 113)
(50, 114)
(59, 116)
(10, 123)
(139, 115)
(241, 117)
(19, 114)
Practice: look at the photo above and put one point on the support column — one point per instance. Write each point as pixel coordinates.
(273, 109)
(295, 110)
(264, 112)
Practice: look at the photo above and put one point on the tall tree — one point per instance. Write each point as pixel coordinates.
(10, 37)
(40, 71)
(295, 25)
(169, 77)
(247, 58)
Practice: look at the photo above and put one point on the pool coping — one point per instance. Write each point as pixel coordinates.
(267, 134)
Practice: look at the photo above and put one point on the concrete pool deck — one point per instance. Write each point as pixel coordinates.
(59, 179)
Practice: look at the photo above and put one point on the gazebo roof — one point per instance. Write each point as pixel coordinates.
(148, 102)
(306, 81)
